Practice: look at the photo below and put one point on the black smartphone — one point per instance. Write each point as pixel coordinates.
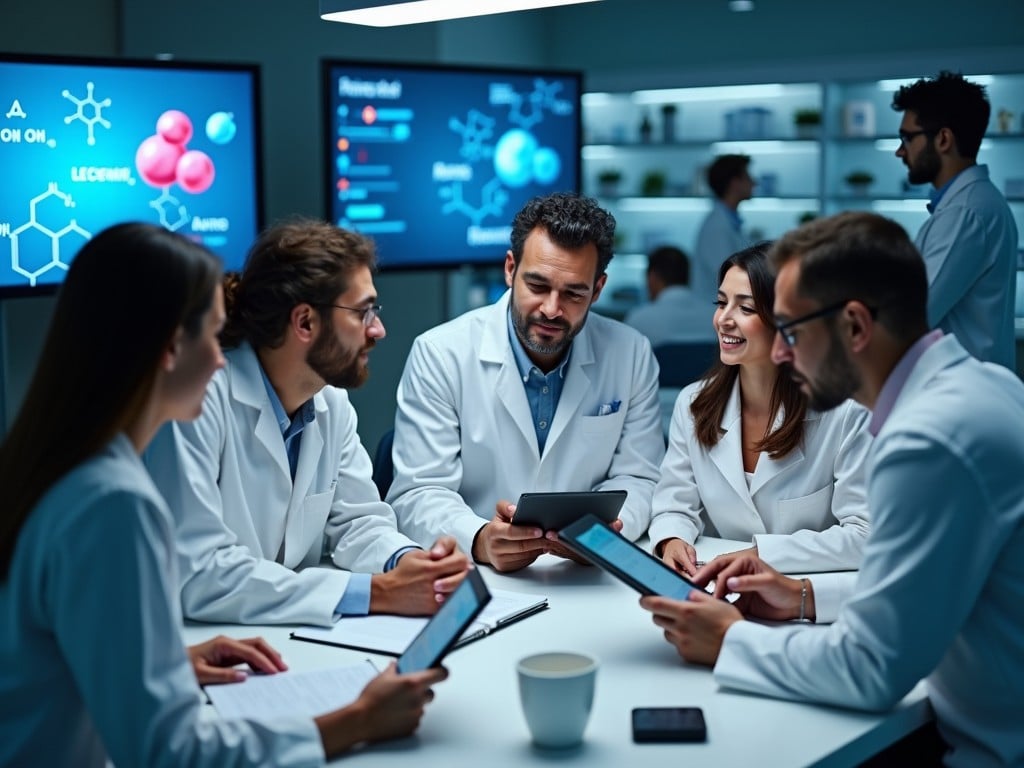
(645, 573)
(442, 632)
(667, 724)
(554, 510)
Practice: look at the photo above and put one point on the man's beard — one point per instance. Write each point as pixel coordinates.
(837, 381)
(926, 167)
(338, 368)
(522, 323)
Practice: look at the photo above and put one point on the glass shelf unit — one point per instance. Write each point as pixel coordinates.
(800, 170)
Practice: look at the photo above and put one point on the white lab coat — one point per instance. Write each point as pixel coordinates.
(940, 592)
(91, 660)
(806, 511)
(464, 436)
(243, 526)
(677, 315)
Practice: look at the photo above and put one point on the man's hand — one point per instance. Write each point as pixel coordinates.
(557, 548)
(764, 592)
(214, 660)
(695, 626)
(389, 707)
(678, 555)
(508, 547)
(420, 581)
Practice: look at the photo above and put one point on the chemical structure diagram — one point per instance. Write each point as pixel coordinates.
(515, 154)
(89, 120)
(493, 198)
(25, 255)
(167, 205)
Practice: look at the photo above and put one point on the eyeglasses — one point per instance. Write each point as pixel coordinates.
(785, 329)
(908, 136)
(369, 313)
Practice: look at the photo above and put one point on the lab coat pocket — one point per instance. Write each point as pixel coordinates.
(313, 519)
(813, 511)
(600, 427)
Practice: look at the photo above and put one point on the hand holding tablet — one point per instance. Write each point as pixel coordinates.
(555, 510)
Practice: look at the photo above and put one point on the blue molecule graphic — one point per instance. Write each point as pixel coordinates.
(221, 128)
(343, 162)
(401, 132)
(513, 157)
(546, 165)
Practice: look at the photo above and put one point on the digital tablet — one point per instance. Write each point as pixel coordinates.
(595, 541)
(446, 626)
(553, 511)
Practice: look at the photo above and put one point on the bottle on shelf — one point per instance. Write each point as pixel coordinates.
(646, 129)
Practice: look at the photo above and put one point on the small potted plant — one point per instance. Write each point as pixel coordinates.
(668, 123)
(859, 181)
(807, 122)
(653, 184)
(608, 182)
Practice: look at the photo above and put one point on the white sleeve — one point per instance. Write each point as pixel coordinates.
(676, 507)
(641, 447)
(909, 602)
(840, 546)
(126, 656)
(221, 580)
(428, 454)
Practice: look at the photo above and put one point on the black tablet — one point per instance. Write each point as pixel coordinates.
(595, 541)
(447, 625)
(553, 511)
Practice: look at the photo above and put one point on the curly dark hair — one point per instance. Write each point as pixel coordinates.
(948, 101)
(571, 221)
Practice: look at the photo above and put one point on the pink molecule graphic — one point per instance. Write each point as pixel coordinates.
(157, 161)
(195, 171)
(175, 126)
(164, 158)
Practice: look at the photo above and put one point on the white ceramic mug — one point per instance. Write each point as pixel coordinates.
(557, 691)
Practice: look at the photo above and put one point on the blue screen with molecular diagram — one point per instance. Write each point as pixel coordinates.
(85, 144)
(433, 162)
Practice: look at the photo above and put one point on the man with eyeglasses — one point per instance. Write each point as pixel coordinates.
(940, 592)
(272, 477)
(969, 242)
(532, 393)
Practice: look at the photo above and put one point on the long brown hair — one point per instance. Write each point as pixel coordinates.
(708, 407)
(127, 292)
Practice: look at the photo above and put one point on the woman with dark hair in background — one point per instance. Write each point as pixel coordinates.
(748, 460)
(91, 661)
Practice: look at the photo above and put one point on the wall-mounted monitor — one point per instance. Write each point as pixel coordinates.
(86, 143)
(433, 162)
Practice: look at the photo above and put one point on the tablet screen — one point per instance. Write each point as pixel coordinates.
(447, 625)
(624, 558)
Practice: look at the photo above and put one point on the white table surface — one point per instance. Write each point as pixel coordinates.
(475, 720)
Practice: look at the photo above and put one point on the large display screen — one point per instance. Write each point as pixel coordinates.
(434, 162)
(86, 143)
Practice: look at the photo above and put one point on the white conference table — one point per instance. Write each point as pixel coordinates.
(475, 719)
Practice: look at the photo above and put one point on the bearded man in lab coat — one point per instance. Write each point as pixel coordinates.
(272, 477)
(532, 393)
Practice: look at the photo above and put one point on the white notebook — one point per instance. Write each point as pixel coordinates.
(391, 635)
(306, 694)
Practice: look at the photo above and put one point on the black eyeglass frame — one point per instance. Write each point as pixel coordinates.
(906, 137)
(785, 329)
(369, 313)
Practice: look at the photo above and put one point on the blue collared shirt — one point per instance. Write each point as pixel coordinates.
(356, 599)
(936, 194)
(542, 390)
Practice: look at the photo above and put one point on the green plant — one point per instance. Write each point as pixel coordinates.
(653, 184)
(859, 178)
(807, 117)
(806, 216)
(609, 176)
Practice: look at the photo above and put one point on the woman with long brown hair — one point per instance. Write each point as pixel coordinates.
(747, 459)
(91, 661)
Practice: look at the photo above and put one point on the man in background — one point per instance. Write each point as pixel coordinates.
(674, 314)
(969, 242)
(721, 234)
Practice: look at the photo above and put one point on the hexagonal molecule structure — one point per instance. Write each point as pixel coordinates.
(46, 205)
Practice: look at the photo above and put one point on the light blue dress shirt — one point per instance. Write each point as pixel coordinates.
(542, 390)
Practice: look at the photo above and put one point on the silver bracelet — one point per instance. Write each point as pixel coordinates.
(803, 599)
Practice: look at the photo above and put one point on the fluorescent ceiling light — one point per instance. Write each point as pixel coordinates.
(393, 13)
(725, 92)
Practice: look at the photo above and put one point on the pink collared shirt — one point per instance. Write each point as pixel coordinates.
(894, 384)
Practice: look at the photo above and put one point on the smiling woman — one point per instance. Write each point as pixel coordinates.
(747, 460)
